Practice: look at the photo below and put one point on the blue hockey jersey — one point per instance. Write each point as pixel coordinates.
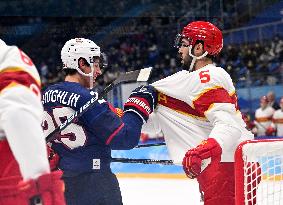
(86, 144)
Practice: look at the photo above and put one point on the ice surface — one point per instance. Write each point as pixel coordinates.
(146, 191)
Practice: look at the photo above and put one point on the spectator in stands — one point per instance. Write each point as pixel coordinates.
(277, 45)
(272, 100)
(263, 117)
(43, 70)
(277, 121)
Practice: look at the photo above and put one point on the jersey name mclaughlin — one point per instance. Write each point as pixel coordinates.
(63, 97)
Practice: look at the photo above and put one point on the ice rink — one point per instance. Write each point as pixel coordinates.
(146, 191)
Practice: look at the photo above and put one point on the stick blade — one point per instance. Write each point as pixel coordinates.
(134, 76)
(144, 74)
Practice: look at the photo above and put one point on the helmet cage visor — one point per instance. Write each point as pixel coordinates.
(103, 63)
(178, 41)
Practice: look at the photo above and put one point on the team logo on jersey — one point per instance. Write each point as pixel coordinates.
(96, 164)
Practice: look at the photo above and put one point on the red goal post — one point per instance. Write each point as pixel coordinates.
(259, 172)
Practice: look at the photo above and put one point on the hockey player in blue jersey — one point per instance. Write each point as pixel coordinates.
(84, 147)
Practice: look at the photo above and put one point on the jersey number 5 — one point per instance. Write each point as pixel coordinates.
(204, 76)
(72, 136)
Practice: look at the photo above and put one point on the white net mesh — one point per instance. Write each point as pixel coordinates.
(263, 171)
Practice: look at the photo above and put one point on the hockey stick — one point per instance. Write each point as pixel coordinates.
(150, 145)
(143, 161)
(204, 162)
(136, 76)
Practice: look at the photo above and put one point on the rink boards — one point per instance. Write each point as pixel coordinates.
(273, 169)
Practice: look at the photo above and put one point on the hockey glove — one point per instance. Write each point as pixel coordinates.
(48, 189)
(142, 101)
(270, 131)
(208, 149)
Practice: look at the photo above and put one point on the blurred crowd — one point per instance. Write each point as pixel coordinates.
(146, 44)
(235, 13)
(65, 8)
(254, 64)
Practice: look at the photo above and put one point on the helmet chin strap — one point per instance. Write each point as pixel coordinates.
(195, 57)
(91, 82)
(90, 75)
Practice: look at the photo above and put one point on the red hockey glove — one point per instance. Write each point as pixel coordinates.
(142, 101)
(53, 158)
(270, 131)
(48, 189)
(194, 157)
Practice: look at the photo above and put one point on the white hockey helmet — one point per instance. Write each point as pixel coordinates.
(2, 43)
(77, 48)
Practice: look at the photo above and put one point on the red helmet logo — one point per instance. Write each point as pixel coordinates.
(206, 32)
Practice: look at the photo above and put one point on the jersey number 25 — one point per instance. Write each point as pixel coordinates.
(72, 136)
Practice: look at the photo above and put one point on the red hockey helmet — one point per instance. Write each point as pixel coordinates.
(206, 32)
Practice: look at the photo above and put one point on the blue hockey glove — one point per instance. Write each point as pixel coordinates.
(142, 101)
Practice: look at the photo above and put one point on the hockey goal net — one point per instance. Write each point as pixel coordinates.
(259, 172)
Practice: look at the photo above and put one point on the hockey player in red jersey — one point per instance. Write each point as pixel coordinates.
(276, 126)
(198, 114)
(25, 177)
(263, 118)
